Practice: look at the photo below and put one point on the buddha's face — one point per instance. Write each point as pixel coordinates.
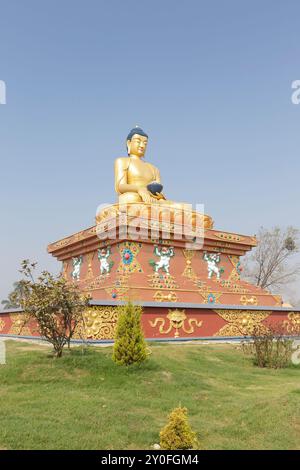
(137, 145)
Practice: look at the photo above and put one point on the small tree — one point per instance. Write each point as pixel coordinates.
(130, 346)
(268, 265)
(54, 303)
(177, 434)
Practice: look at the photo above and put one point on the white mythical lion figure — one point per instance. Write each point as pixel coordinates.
(165, 255)
(77, 262)
(103, 255)
(212, 259)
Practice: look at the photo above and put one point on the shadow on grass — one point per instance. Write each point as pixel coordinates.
(101, 360)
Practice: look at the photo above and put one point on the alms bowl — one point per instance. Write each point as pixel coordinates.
(155, 187)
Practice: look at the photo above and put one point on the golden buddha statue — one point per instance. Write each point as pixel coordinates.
(133, 175)
(139, 187)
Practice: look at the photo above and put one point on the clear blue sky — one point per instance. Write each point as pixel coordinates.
(210, 81)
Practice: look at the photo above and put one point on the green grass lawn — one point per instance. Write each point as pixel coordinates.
(85, 401)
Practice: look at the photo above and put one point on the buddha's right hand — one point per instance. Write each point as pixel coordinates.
(146, 196)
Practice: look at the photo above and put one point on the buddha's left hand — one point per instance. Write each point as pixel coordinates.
(160, 196)
(146, 196)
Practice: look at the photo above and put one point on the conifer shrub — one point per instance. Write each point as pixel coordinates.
(130, 346)
(177, 434)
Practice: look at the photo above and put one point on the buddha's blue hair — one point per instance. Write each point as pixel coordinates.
(136, 130)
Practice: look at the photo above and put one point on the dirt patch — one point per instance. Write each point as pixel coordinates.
(167, 376)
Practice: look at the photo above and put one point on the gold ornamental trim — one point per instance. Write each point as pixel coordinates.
(242, 322)
(162, 281)
(292, 324)
(230, 236)
(177, 321)
(278, 299)
(160, 216)
(249, 300)
(89, 273)
(79, 236)
(131, 265)
(98, 323)
(188, 270)
(160, 296)
(65, 269)
(19, 324)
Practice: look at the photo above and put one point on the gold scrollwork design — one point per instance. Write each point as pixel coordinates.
(177, 319)
(242, 322)
(2, 324)
(19, 324)
(98, 323)
(292, 325)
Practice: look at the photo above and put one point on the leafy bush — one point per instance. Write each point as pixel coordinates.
(270, 347)
(55, 304)
(177, 434)
(130, 346)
